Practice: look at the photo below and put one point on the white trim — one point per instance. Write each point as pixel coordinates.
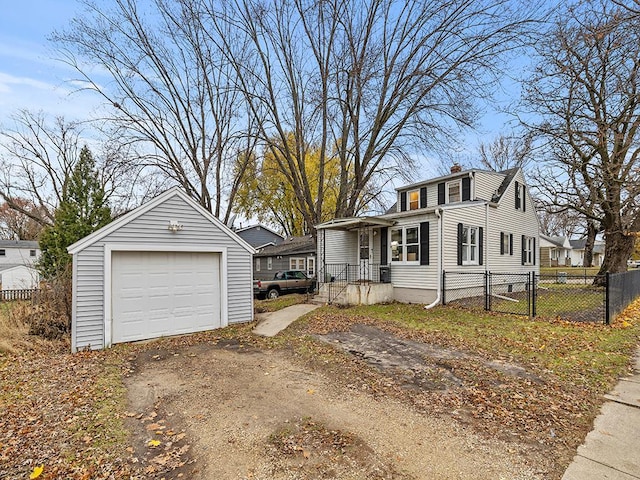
(109, 248)
(74, 308)
(141, 210)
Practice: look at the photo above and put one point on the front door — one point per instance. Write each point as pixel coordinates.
(366, 253)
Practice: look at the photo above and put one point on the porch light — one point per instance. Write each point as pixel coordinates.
(174, 226)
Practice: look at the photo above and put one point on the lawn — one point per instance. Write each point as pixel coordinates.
(67, 411)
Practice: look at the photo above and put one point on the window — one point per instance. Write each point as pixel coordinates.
(414, 200)
(3, 252)
(257, 264)
(453, 191)
(296, 264)
(528, 250)
(311, 266)
(520, 197)
(470, 236)
(32, 253)
(405, 244)
(506, 243)
(269, 263)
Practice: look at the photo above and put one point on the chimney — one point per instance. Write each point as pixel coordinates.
(456, 168)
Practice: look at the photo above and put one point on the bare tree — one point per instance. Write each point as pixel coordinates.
(15, 225)
(170, 89)
(585, 88)
(367, 83)
(506, 151)
(39, 155)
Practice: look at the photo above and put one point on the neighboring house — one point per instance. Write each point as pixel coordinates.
(577, 253)
(555, 251)
(259, 236)
(18, 277)
(19, 252)
(294, 253)
(168, 267)
(468, 221)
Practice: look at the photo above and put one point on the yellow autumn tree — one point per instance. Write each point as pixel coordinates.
(267, 195)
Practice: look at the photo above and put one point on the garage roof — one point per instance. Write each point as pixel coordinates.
(141, 210)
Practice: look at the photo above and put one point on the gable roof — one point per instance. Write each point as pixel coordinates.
(4, 268)
(509, 176)
(258, 226)
(290, 246)
(19, 244)
(144, 208)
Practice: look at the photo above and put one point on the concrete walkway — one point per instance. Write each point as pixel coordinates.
(272, 323)
(612, 449)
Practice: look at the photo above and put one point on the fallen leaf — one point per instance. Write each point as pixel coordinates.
(37, 471)
(154, 443)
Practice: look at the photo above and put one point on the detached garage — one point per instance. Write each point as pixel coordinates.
(168, 267)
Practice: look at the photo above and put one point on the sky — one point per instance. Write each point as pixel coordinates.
(30, 76)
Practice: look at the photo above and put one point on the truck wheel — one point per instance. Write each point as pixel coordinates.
(273, 293)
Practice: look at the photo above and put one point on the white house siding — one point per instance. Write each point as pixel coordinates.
(151, 229)
(16, 255)
(505, 218)
(422, 277)
(19, 277)
(338, 246)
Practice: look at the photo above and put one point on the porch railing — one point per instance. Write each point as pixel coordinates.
(337, 276)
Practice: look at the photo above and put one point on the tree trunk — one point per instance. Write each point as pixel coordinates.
(587, 261)
(618, 248)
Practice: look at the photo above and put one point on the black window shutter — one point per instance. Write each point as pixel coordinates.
(424, 243)
(466, 189)
(423, 197)
(403, 201)
(511, 244)
(517, 196)
(524, 199)
(502, 252)
(534, 250)
(441, 193)
(460, 244)
(383, 246)
(523, 252)
(480, 244)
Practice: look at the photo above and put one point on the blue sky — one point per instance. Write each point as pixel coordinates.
(30, 77)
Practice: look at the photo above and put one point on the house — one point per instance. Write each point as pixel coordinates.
(18, 277)
(18, 252)
(555, 251)
(465, 222)
(294, 253)
(259, 236)
(168, 267)
(577, 253)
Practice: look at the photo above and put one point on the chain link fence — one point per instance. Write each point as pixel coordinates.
(574, 298)
(622, 289)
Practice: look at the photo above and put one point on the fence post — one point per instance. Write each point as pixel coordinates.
(607, 320)
(487, 288)
(444, 289)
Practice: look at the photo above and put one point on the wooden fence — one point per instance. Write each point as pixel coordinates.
(22, 294)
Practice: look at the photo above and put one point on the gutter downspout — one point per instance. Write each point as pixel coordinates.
(438, 213)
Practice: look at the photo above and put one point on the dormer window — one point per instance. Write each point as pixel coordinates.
(453, 191)
(520, 197)
(414, 200)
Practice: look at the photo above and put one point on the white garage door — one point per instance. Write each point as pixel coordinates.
(155, 294)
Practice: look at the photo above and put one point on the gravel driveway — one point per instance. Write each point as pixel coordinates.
(225, 411)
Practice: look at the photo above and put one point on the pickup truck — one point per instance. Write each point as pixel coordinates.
(289, 281)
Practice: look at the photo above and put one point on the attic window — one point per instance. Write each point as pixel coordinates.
(453, 191)
(32, 253)
(414, 200)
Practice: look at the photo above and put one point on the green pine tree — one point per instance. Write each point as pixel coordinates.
(83, 210)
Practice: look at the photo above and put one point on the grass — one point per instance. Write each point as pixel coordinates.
(580, 271)
(591, 355)
(284, 301)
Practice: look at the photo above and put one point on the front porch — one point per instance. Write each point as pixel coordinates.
(361, 284)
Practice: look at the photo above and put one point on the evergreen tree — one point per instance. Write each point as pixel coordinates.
(83, 210)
